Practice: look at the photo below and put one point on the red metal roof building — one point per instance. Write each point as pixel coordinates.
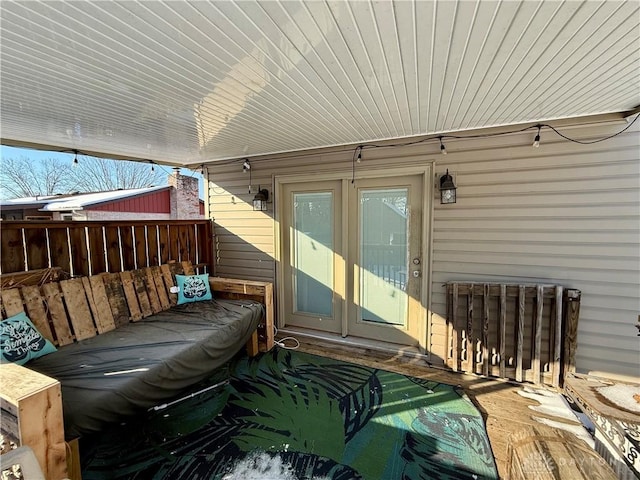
(178, 200)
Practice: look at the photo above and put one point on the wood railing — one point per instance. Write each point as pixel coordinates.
(519, 332)
(88, 248)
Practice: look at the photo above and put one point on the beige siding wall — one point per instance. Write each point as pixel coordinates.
(563, 213)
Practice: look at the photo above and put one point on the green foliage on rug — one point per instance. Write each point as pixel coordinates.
(289, 415)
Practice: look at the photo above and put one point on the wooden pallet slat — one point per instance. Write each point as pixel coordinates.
(140, 288)
(520, 332)
(117, 299)
(169, 283)
(154, 298)
(455, 333)
(537, 339)
(34, 304)
(78, 308)
(12, 302)
(161, 288)
(59, 321)
(102, 314)
(557, 338)
(269, 321)
(187, 268)
(503, 329)
(470, 347)
(485, 330)
(570, 329)
(98, 303)
(448, 352)
(131, 296)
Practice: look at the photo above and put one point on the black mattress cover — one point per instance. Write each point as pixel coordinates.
(142, 364)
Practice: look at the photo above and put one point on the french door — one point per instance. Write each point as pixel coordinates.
(352, 257)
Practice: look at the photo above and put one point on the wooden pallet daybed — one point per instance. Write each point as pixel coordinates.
(123, 345)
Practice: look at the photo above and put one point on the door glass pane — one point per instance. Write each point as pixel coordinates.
(312, 242)
(384, 254)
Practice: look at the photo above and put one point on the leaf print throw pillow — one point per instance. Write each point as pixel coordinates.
(20, 341)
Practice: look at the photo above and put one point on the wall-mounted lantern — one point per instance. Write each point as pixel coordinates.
(260, 200)
(447, 189)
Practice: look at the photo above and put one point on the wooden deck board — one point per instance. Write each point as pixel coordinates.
(504, 411)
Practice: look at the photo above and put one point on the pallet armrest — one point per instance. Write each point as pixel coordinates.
(262, 292)
(32, 415)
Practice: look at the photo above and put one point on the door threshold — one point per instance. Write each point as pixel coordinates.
(315, 336)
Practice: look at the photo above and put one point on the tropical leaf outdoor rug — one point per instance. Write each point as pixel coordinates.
(290, 415)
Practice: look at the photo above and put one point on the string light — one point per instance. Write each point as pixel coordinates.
(357, 157)
(536, 140)
(443, 150)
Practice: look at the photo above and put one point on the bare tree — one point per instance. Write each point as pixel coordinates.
(99, 174)
(23, 177)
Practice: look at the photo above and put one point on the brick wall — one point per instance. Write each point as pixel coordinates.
(185, 199)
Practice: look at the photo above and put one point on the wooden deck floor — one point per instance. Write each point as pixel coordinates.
(504, 411)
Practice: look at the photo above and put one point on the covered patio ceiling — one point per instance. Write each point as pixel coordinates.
(187, 82)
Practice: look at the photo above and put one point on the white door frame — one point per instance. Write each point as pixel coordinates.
(426, 170)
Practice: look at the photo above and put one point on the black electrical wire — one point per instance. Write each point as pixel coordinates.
(497, 134)
(589, 142)
(358, 150)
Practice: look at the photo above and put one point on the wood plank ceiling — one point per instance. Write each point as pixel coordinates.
(188, 82)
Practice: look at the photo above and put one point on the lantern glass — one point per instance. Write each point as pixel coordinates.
(448, 196)
(447, 189)
(260, 200)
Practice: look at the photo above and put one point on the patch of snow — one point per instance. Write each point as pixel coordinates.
(551, 404)
(555, 405)
(621, 394)
(262, 466)
(578, 430)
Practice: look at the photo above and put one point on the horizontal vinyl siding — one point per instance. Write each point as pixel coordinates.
(244, 239)
(563, 213)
